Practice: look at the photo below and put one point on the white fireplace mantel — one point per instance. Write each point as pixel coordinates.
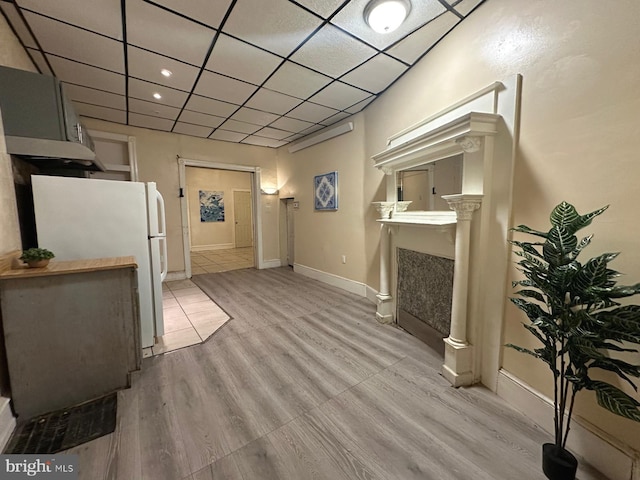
(481, 128)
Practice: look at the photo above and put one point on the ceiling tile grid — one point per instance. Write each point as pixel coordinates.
(260, 72)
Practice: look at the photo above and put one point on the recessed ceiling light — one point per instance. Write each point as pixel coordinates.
(385, 16)
(166, 73)
(157, 96)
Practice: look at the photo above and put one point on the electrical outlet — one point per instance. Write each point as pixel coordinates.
(344, 259)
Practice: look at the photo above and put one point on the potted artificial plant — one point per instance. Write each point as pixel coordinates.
(573, 312)
(36, 257)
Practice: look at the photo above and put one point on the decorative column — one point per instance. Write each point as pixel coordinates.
(458, 354)
(384, 313)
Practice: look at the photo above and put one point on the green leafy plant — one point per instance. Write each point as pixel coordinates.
(573, 312)
(35, 254)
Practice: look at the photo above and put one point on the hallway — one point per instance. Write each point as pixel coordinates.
(214, 261)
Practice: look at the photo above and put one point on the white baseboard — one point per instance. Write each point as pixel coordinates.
(334, 280)
(217, 246)
(616, 461)
(173, 276)
(7, 422)
(275, 263)
(371, 295)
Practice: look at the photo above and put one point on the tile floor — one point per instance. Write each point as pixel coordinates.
(213, 261)
(190, 317)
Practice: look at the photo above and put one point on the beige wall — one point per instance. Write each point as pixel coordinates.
(580, 103)
(322, 237)
(213, 234)
(157, 162)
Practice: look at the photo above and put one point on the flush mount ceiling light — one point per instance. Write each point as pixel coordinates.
(384, 16)
(157, 96)
(166, 73)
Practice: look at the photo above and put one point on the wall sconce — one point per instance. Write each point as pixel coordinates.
(269, 191)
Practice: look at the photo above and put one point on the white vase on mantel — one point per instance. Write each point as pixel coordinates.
(384, 208)
(403, 205)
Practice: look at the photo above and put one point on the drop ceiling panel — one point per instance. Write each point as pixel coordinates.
(240, 60)
(263, 142)
(77, 44)
(310, 112)
(101, 113)
(18, 25)
(314, 61)
(291, 124)
(273, 133)
(276, 25)
(227, 136)
(193, 130)
(153, 109)
(359, 106)
(413, 47)
(351, 18)
(339, 95)
(145, 90)
(240, 127)
(160, 31)
(155, 123)
(74, 72)
(324, 8)
(256, 117)
(466, 6)
(147, 66)
(297, 81)
(41, 62)
(96, 15)
(376, 74)
(201, 119)
(218, 86)
(209, 105)
(205, 11)
(332, 52)
(272, 102)
(335, 118)
(95, 97)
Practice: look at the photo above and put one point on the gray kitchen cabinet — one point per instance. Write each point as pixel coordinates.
(71, 332)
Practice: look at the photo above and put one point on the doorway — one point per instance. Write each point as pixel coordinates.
(220, 218)
(291, 205)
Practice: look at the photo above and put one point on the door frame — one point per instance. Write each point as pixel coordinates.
(233, 193)
(183, 163)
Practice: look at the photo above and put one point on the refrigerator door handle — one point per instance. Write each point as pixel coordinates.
(162, 228)
(164, 264)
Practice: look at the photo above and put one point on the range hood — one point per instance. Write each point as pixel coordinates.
(40, 124)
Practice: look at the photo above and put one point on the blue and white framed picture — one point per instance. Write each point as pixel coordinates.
(211, 206)
(326, 191)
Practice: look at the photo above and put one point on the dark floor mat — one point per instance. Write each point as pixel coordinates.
(66, 428)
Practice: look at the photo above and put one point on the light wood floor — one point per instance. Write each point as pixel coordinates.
(304, 384)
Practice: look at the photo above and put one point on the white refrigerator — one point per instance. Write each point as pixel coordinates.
(79, 218)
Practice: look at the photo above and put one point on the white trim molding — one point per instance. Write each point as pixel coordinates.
(173, 276)
(218, 246)
(274, 263)
(597, 448)
(344, 283)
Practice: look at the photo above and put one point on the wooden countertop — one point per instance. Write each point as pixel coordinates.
(69, 266)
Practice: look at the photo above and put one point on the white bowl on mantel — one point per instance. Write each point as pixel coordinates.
(384, 208)
(403, 205)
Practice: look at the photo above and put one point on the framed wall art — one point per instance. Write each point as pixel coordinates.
(211, 206)
(326, 191)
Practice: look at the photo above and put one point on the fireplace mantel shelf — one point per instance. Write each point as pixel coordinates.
(422, 219)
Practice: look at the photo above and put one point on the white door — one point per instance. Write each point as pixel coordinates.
(242, 218)
(290, 237)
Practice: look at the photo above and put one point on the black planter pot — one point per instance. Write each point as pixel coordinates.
(558, 463)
